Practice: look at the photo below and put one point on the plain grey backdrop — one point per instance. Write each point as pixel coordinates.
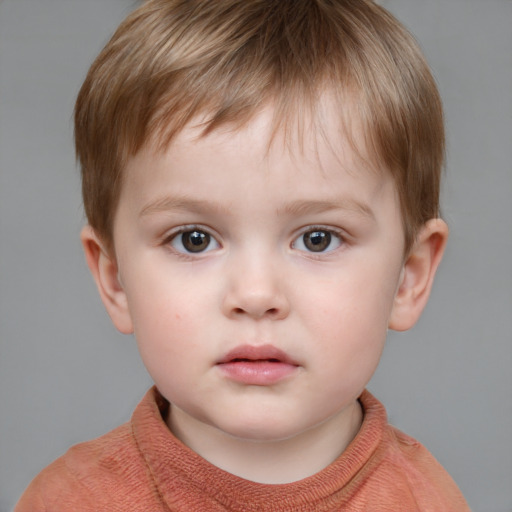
(66, 375)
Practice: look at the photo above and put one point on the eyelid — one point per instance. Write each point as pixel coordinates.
(184, 228)
(340, 234)
(174, 233)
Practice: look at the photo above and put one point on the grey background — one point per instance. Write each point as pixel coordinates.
(66, 375)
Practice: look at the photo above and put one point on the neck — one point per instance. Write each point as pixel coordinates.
(271, 462)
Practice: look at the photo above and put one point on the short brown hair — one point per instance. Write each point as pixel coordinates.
(172, 60)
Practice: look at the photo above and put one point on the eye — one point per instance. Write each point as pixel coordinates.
(318, 240)
(193, 241)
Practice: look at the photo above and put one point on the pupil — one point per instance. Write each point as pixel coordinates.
(195, 241)
(317, 241)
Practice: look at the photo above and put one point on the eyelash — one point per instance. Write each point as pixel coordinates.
(178, 236)
(333, 235)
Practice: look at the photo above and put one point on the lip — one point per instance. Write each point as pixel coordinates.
(257, 365)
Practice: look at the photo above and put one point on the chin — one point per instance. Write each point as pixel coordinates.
(263, 430)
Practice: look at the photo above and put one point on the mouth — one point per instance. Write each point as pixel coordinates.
(251, 353)
(257, 365)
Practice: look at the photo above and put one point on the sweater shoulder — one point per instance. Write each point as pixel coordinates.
(103, 474)
(417, 474)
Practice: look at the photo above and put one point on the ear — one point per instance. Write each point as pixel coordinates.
(103, 267)
(418, 275)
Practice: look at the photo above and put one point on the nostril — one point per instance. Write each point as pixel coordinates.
(264, 312)
(254, 304)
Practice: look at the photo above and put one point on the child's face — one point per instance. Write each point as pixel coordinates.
(259, 284)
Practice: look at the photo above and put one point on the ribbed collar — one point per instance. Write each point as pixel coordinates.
(186, 481)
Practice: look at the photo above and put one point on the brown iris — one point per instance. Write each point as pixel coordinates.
(195, 241)
(317, 241)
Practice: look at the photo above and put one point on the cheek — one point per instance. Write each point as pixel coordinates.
(163, 294)
(350, 320)
(357, 300)
(167, 333)
(351, 348)
(167, 313)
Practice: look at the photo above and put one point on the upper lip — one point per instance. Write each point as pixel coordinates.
(257, 353)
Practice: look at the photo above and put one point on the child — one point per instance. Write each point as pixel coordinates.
(261, 182)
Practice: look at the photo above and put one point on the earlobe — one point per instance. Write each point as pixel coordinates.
(417, 275)
(103, 267)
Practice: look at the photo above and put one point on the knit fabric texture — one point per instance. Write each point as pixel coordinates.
(141, 467)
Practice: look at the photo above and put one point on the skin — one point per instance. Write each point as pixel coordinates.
(258, 280)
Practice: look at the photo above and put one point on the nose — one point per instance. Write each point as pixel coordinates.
(255, 290)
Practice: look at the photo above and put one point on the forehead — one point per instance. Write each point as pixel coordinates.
(310, 157)
(331, 126)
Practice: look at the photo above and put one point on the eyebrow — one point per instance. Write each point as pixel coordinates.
(188, 204)
(295, 208)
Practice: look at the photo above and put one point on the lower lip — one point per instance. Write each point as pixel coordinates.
(257, 373)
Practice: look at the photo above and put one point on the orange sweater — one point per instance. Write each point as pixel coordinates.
(142, 467)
